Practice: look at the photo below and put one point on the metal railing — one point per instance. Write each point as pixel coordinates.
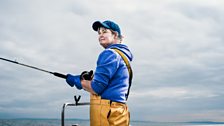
(71, 104)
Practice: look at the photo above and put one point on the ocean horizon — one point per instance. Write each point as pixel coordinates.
(85, 122)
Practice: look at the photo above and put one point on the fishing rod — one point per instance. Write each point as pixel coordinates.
(36, 68)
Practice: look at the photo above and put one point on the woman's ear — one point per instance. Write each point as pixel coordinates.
(115, 35)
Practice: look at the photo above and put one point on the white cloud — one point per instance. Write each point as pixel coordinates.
(174, 93)
(177, 46)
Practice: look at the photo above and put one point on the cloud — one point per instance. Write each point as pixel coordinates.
(175, 93)
(177, 46)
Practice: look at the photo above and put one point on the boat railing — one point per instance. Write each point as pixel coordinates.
(71, 104)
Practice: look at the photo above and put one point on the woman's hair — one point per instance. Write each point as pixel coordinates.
(119, 37)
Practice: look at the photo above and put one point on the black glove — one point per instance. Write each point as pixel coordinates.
(85, 75)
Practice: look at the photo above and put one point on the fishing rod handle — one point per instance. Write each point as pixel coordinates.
(60, 75)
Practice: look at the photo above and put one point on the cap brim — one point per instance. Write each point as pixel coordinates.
(98, 24)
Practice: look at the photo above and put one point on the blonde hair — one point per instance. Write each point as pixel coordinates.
(119, 37)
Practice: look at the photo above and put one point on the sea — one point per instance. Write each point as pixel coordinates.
(81, 122)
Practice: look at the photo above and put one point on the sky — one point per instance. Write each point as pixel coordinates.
(178, 49)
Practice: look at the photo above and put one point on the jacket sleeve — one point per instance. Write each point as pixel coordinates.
(107, 65)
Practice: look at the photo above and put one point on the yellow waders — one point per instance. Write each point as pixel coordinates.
(106, 113)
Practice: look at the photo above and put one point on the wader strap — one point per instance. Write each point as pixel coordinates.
(128, 66)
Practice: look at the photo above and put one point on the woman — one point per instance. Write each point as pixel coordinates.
(109, 88)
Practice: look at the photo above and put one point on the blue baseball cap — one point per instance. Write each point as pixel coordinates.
(107, 24)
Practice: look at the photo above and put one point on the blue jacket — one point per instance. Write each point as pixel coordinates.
(111, 78)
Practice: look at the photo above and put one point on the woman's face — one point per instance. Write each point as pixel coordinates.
(106, 37)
